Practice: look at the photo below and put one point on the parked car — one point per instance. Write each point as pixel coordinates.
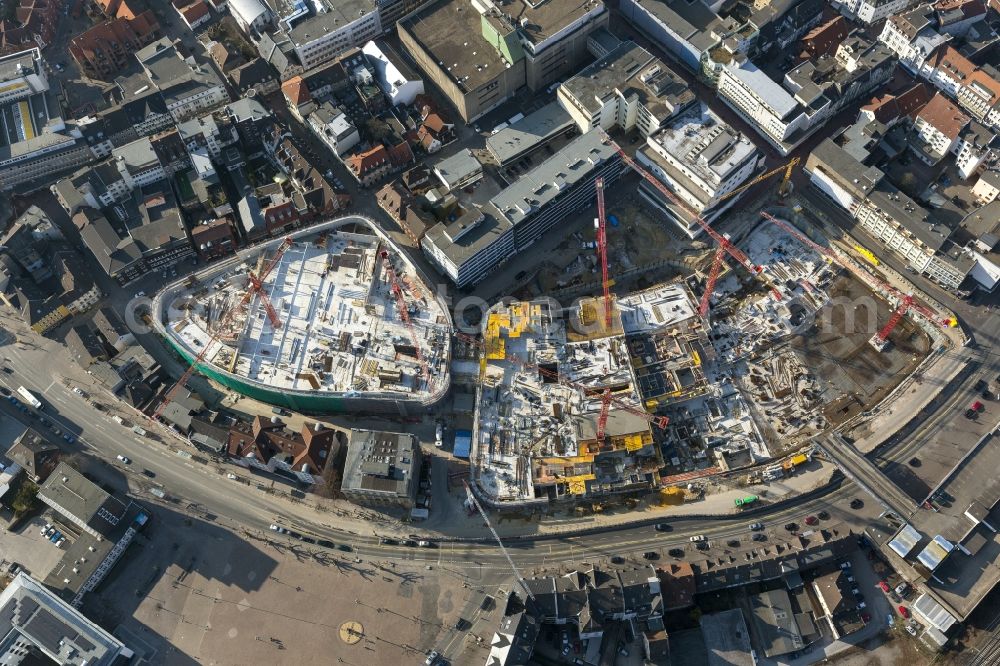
(386, 541)
(823, 515)
(617, 559)
(733, 543)
(910, 630)
(676, 552)
(427, 544)
(697, 537)
(759, 537)
(857, 503)
(754, 527)
(884, 586)
(812, 520)
(432, 658)
(651, 555)
(663, 527)
(150, 473)
(791, 527)
(904, 611)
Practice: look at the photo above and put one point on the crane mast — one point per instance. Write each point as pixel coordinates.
(503, 549)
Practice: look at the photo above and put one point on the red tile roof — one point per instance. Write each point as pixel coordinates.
(944, 115)
(296, 91)
(889, 107)
(363, 163)
(951, 61)
(824, 39)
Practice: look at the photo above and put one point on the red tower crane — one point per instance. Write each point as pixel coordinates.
(713, 277)
(404, 313)
(255, 287)
(720, 240)
(602, 420)
(877, 285)
(660, 422)
(602, 250)
(881, 338)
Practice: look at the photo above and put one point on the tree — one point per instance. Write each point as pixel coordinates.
(24, 500)
(377, 129)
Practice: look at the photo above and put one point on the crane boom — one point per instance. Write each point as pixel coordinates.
(602, 420)
(731, 249)
(503, 549)
(602, 250)
(713, 277)
(404, 313)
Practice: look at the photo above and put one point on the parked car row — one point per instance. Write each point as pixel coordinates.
(53, 535)
(69, 439)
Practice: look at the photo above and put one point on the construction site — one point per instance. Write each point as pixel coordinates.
(773, 339)
(332, 320)
(562, 407)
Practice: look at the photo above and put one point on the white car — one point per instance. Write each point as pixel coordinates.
(124, 459)
(698, 537)
(77, 391)
(140, 294)
(911, 630)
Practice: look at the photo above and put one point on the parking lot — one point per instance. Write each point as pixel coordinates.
(30, 549)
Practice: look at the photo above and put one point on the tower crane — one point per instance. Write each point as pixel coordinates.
(255, 287)
(602, 250)
(404, 313)
(881, 339)
(602, 420)
(503, 549)
(877, 285)
(659, 421)
(721, 241)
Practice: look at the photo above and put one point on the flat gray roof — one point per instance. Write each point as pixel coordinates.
(726, 638)
(31, 612)
(774, 620)
(11, 65)
(336, 16)
(454, 169)
(632, 70)
(781, 102)
(694, 21)
(382, 462)
(534, 129)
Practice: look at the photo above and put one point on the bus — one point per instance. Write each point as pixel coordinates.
(29, 397)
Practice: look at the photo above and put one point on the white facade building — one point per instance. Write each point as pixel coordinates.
(701, 159)
(398, 87)
(251, 15)
(333, 128)
(322, 29)
(774, 111)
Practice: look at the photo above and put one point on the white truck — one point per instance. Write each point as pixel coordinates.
(29, 398)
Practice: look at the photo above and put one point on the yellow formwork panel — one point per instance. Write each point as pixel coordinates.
(578, 484)
(29, 129)
(696, 358)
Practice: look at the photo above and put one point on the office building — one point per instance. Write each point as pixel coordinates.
(481, 238)
(628, 88)
(701, 159)
(382, 468)
(480, 53)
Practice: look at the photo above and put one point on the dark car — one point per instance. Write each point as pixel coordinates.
(856, 503)
(325, 543)
(663, 527)
(759, 537)
(823, 515)
(461, 624)
(4, 390)
(150, 473)
(676, 552)
(386, 541)
(791, 527)
(617, 559)
(409, 542)
(701, 545)
(651, 555)
(811, 520)
(915, 462)
(344, 547)
(733, 543)
(970, 414)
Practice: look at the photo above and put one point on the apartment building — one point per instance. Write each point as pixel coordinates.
(480, 54)
(873, 11)
(701, 159)
(629, 88)
(897, 223)
(912, 37)
(810, 93)
(481, 238)
(323, 29)
(937, 127)
(189, 87)
(333, 128)
(977, 147)
(106, 49)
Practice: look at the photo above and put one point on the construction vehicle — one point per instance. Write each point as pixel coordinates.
(255, 288)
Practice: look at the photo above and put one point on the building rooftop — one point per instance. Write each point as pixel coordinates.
(710, 148)
(634, 72)
(31, 613)
(19, 64)
(382, 462)
(774, 619)
(79, 497)
(307, 23)
(727, 639)
(944, 115)
(693, 21)
(458, 167)
(532, 130)
(779, 100)
(452, 32)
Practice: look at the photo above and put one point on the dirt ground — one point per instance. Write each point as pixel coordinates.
(855, 375)
(902, 650)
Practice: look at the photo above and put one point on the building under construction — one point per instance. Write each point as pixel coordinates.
(337, 320)
(563, 405)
